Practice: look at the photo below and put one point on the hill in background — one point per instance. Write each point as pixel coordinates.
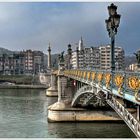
(5, 51)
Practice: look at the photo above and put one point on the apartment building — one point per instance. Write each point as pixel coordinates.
(97, 57)
(23, 62)
(87, 57)
(92, 58)
(19, 63)
(38, 58)
(29, 61)
(77, 56)
(105, 57)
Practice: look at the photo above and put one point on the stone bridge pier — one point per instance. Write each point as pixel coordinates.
(61, 84)
(52, 91)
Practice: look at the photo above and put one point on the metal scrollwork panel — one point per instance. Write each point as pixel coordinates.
(99, 78)
(107, 79)
(119, 81)
(133, 84)
(93, 75)
(88, 75)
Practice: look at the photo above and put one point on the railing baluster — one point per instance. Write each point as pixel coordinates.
(128, 117)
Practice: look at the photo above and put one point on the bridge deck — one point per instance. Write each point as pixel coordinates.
(123, 84)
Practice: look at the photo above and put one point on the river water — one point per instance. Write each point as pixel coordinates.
(23, 114)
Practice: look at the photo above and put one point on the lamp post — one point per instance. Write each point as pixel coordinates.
(112, 23)
(116, 63)
(69, 51)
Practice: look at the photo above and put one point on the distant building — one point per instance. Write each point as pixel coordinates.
(19, 63)
(23, 62)
(74, 59)
(7, 64)
(38, 57)
(1, 64)
(11, 64)
(92, 58)
(105, 57)
(96, 57)
(133, 67)
(87, 57)
(29, 61)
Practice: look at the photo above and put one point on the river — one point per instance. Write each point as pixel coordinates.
(23, 114)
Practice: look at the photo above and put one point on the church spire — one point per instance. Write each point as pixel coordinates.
(49, 48)
(81, 39)
(81, 47)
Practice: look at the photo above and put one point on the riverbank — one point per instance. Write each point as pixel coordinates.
(20, 79)
(23, 87)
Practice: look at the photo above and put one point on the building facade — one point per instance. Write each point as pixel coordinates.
(38, 58)
(23, 62)
(105, 58)
(133, 67)
(88, 58)
(85, 57)
(29, 61)
(19, 63)
(92, 58)
(97, 57)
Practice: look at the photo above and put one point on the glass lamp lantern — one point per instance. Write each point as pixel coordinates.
(108, 24)
(112, 9)
(117, 20)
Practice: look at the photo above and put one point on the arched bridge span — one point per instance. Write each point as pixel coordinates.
(111, 84)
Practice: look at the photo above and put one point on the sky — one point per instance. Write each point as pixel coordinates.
(32, 25)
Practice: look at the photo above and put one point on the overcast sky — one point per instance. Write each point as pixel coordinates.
(34, 25)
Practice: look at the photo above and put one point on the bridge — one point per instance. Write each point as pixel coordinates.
(117, 89)
(109, 87)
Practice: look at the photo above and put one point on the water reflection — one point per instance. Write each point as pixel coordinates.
(23, 113)
(90, 130)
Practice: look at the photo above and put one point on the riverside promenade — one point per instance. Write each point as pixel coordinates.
(39, 82)
(23, 86)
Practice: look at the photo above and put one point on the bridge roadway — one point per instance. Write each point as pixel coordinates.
(116, 86)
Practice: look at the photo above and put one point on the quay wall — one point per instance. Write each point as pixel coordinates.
(20, 79)
(23, 87)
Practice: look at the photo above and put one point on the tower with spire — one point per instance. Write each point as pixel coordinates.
(49, 57)
(80, 47)
(69, 53)
(77, 58)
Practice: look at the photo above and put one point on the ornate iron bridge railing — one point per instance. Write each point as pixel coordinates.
(120, 83)
(129, 119)
(123, 84)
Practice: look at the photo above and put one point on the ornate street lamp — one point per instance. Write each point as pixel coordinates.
(112, 23)
(69, 52)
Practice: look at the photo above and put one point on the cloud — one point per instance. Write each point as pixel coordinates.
(34, 25)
